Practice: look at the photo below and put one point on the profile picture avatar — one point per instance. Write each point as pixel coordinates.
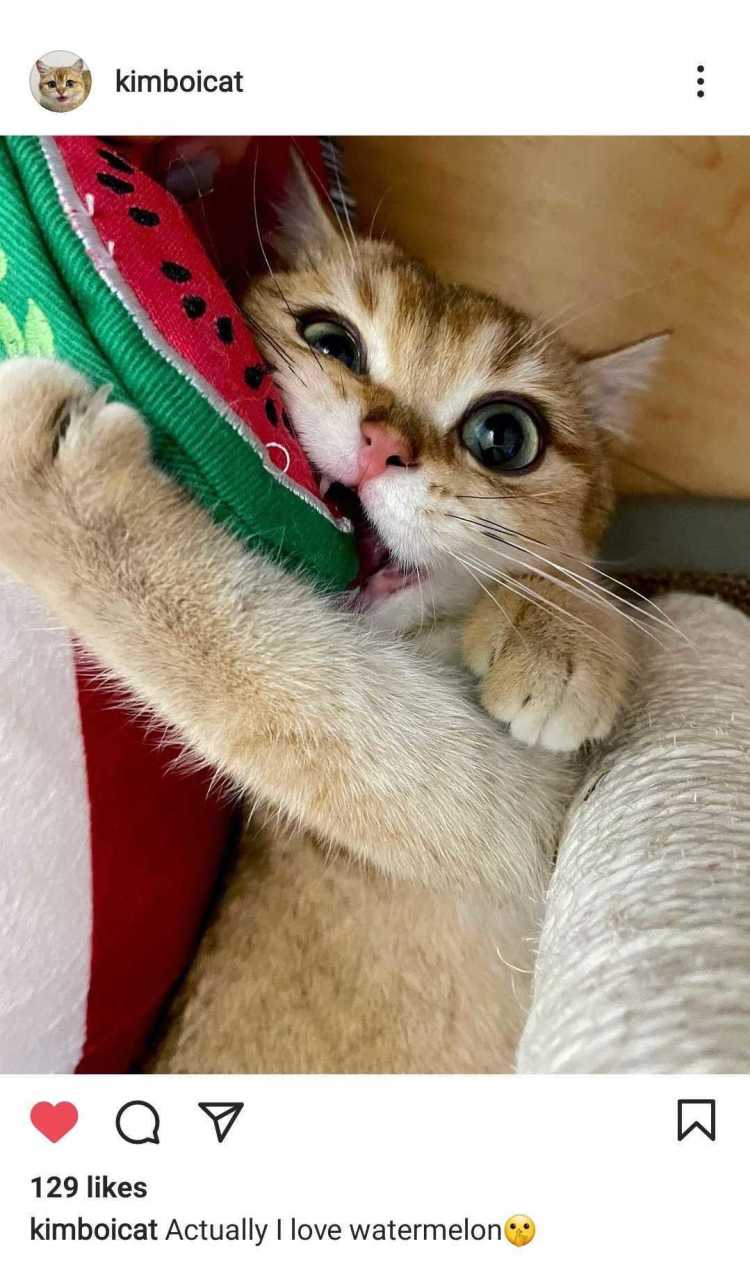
(60, 81)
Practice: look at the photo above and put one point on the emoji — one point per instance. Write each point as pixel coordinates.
(54, 1122)
(519, 1230)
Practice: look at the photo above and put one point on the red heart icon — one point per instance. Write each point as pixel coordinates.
(54, 1122)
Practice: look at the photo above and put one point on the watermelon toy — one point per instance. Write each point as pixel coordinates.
(110, 854)
(123, 289)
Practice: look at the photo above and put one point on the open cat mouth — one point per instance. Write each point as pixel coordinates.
(379, 574)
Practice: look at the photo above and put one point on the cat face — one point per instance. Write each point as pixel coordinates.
(62, 87)
(462, 436)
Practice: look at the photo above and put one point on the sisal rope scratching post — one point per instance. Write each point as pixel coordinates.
(644, 955)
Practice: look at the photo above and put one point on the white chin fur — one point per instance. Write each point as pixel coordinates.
(396, 504)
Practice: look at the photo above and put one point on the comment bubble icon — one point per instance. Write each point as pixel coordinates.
(137, 1123)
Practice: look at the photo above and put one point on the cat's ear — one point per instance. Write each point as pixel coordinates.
(613, 381)
(42, 67)
(305, 228)
(78, 65)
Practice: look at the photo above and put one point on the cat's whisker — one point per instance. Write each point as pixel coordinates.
(265, 337)
(349, 238)
(545, 327)
(488, 593)
(420, 587)
(432, 598)
(516, 587)
(595, 600)
(541, 493)
(550, 322)
(380, 202)
(255, 326)
(256, 329)
(604, 301)
(617, 581)
(261, 243)
(545, 604)
(644, 599)
(199, 190)
(345, 205)
(657, 475)
(276, 348)
(657, 614)
(549, 327)
(264, 253)
(589, 589)
(623, 295)
(480, 568)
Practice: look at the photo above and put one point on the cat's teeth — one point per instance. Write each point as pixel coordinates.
(325, 485)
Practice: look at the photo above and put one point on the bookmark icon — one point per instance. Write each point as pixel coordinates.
(223, 1116)
(696, 1113)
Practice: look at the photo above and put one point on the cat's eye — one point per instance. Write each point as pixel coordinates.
(70, 83)
(504, 434)
(333, 339)
(50, 83)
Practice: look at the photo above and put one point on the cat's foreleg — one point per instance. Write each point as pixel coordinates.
(298, 703)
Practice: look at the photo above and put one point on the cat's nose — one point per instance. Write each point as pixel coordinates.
(382, 447)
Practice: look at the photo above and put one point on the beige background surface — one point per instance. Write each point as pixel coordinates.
(616, 238)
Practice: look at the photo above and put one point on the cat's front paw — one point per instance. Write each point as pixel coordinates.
(557, 679)
(63, 453)
(50, 416)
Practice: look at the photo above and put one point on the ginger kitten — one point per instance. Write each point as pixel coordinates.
(63, 88)
(471, 447)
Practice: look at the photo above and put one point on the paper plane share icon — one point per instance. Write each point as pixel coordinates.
(223, 1116)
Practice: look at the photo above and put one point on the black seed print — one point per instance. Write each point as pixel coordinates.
(224, 329)
(115, 161)
(272, 413)
(143, 217)
(175, 272)
(194, 306)
(254, 376)
(114, 183)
